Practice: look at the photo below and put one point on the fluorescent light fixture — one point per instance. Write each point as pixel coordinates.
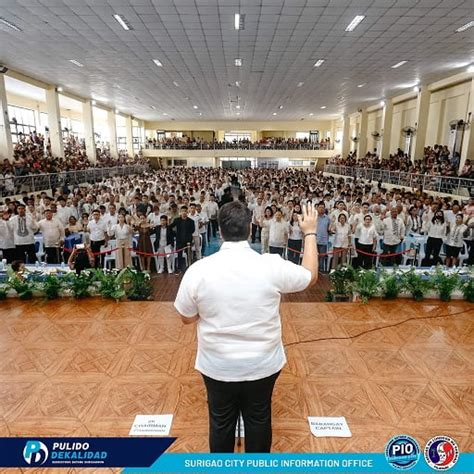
(175, 84)
(274, 113)
(416, 89)
(237, 83)
(401, 63)
(299, 84)
(59, 89)
(123, 22)
(311, 114)
(9, 24)
(238, 62)
(323, 106)
(195, 107)
(353, 24)
(237, 21)
(158, 62)
(237, 113)
(470, 68)
(237, 106)
(200, 113)
(465, 27)
(152, 107)
(382, 103)
(164, 113)
(117, 111)
(280, 107)
(319, 62)
(361, 85)
(76, 63)
(93, 102)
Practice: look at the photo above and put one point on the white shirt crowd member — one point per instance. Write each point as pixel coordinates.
(278, 233)
(239, 274)
(53, 232)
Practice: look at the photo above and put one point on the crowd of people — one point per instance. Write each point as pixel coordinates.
(436, 161)
(266, 143)
(177, 208)
(31, 157)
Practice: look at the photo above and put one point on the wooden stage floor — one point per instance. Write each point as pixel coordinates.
(86, 368)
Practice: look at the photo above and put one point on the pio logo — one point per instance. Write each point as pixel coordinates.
(402, 452)
(35, 453)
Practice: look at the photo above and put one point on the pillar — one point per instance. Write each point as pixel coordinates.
(54, 122)
(363, 126)
(387, 129)
(467, 150)
(129, 134)
(216, 162)
(88, 120)
(6, 145)
(422, 110)
(112, 125)
(346, 139)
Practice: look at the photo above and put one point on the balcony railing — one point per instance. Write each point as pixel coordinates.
(41, 182)
(238, 146)
(441, 184)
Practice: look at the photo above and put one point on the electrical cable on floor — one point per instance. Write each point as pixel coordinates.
(344, 338)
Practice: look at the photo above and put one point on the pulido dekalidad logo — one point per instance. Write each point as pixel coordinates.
(36, 453)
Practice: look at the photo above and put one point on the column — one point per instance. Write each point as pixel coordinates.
(346, 139)
(54, 122)
(387, 128)
(88, 120)
(216, 162)
(6, 146)
(467, 150)
(129, 134)
(363, 126)
(419, 138)
(112, 125)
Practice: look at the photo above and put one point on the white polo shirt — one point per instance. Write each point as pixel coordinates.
(236, 293)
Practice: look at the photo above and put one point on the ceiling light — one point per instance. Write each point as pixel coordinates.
(158, 62)
(164, 113)
(382, 103)
(416, 89)
(175, 84)
(361, 85)
(123, 22)
(353, 24)
(152, 107)
(195, 107)
(237, 83)
(300, 84)
(238, 113)
(470, 68)
(237, 106)
(401, 63)
(76, 63)
(323, 106)
(238, 62)
(274, 113)
(200, 113)
(280, 107)
(9, 24)
(311, 114)
(465, 27)
(117, 111)
(93, 102)
(319, 63)
(187, 98)
(237, 21)
(59, 89)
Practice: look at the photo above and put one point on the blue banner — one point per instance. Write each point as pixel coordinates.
(81, 452)
(356, 463)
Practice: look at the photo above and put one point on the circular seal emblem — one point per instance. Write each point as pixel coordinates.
(402, 452)
(441, 453)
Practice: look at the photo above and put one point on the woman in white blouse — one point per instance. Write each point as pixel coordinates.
(455, 241)
(342, 240)
(367, 242)
(265, 225)
(295, 239)
(436, 231)
(414, 222)
(123, 234)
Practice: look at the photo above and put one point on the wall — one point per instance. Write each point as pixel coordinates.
(404, 115)
(374, 124)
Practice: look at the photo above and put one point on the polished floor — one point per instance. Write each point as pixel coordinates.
(86, 369)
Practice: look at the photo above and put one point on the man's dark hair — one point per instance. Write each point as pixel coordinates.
(234, 221)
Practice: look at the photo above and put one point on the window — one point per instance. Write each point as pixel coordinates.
(302, 135)
(22, 122)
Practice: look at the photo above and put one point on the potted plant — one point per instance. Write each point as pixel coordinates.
(366, 284)
(51, 286)
(390, 284)
(23, 288)
(445, 283)
(3, 291)
(137, 285)
(416, 284)
(110, 284)
(467, 288)
(81, 284)
(342, 279)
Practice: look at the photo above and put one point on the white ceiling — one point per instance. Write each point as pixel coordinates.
(196, 42)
